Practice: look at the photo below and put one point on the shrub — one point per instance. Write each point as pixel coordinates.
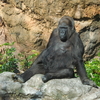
(93, 70)
(8, 61)
(26, 61)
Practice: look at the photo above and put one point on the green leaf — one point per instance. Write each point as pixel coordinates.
(99, 54)
(9, 44)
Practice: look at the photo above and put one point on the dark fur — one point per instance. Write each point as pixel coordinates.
(60, 57)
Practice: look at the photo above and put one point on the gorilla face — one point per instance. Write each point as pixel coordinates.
(63, 33)
(65, 28)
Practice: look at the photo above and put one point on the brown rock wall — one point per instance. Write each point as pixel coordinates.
(30, 22)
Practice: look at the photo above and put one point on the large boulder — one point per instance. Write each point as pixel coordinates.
(35, 89)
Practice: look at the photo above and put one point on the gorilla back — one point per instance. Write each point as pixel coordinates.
(63, 53)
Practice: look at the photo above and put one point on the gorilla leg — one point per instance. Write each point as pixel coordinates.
(32, 71)
(29, 73)
(37, 68)
(64, 73)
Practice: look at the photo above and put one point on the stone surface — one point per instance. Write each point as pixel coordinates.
(91, 39)
(30, 22)
(35, 89)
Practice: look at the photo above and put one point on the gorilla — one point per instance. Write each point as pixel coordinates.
(61, 56)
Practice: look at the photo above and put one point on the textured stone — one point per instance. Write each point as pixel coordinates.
(35, 89)
(30, 22)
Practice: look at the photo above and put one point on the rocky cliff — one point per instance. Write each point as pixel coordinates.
(30, 22)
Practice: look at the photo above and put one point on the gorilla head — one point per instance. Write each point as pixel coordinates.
(65, 28)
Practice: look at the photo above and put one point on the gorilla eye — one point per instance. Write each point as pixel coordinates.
(63, 29)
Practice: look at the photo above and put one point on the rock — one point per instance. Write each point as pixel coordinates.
(35, 89)
(91, 38)
(7, 85)
(30, 22)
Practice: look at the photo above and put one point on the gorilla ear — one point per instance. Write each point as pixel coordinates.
(73, 29)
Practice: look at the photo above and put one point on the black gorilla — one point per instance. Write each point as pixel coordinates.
(63, 53)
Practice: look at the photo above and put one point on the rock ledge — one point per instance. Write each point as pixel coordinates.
(35, 89)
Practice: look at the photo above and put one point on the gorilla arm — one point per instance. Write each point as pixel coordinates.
(83, 75)
(80, 65)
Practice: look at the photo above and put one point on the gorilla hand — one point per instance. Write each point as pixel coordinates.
(89, 82)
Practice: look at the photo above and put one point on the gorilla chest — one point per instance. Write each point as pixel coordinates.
(58, 54)
(62, 48)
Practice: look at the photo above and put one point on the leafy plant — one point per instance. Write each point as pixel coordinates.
(8, 61)
(93, 70)
(26, 61)
(99, 54)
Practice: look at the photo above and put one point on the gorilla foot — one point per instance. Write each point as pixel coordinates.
(17, 78)
(89, 82)
(46, 78)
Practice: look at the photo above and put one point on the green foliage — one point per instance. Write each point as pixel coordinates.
(8, 61)
(99, 54)
(93, 70)
(26, 61)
